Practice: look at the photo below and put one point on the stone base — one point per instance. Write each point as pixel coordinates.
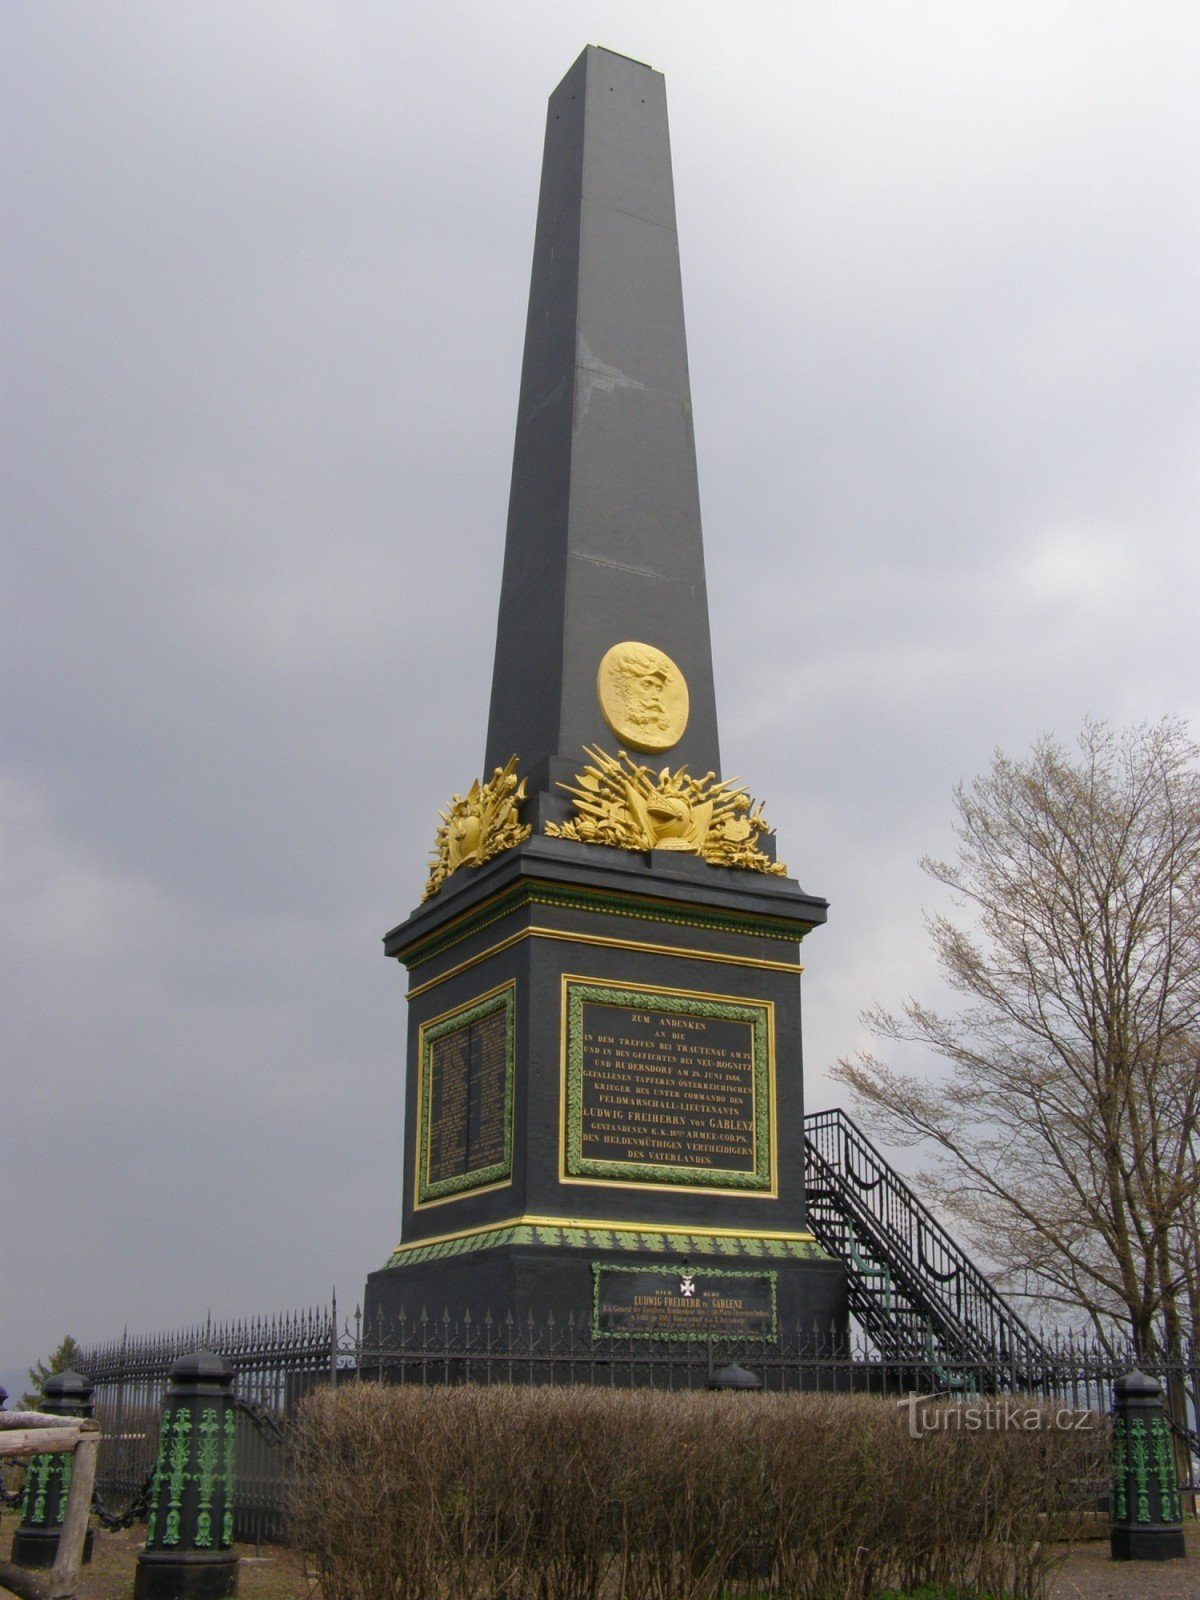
(555, 1287)
(698, 1168)
(185, 1575)
(38, 1547)
(1163, 1543)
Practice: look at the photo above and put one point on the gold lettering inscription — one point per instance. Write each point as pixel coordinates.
(645, 1302)
(667, 1090)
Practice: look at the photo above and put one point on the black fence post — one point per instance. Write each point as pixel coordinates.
(189, 1534)
(1146, 1521)
(35, 1543)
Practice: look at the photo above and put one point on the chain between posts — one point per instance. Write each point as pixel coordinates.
(135, 1511)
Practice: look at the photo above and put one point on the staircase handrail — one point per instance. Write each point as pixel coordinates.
(883, 1319)
(839, 1145)
(895, 1339)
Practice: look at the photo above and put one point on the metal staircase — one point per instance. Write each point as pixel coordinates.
(918, 1297)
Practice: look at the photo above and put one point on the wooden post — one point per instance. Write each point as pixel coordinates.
(34, 1433)
(65, 1571)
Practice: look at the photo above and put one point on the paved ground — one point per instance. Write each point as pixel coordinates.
(1090, 1574)
(1087, 1574)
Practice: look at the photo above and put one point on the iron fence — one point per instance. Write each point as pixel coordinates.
(279, 1359)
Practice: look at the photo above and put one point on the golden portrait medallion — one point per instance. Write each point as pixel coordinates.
(643, 696)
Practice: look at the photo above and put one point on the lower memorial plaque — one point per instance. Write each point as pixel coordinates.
(683, 1304)
(466, 1074)
(666, 1087)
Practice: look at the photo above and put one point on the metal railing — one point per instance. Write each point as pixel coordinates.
(279, 1359)
(916, 1293)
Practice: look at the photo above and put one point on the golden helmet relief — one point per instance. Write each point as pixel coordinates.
(643, 695)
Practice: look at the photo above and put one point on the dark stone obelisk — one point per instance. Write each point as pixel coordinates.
(604, 538)
(604, 1103)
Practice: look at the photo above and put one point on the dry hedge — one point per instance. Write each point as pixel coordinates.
(585, 1494)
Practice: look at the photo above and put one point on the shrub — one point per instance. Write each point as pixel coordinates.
(573, 1494)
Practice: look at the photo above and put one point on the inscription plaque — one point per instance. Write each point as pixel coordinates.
(666, 1088)
(688, 1304)
(466, 1099)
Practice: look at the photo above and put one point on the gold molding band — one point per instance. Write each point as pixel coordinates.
(609, 942)
(637, 907)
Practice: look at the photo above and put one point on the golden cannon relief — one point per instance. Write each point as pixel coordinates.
(630, 807)
(478, 825)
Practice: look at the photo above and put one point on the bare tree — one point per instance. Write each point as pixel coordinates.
(1068, 1123)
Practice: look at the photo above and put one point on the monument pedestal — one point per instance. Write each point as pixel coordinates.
(605, 1095)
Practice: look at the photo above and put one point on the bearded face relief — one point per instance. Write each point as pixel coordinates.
(643, 696)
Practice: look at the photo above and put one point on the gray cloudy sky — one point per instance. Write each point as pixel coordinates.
(265, 284)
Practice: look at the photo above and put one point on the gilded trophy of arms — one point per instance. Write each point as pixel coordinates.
(643, 695)
(630, 807)
(478, 825)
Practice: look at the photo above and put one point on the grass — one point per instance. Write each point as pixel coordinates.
(279, 1573)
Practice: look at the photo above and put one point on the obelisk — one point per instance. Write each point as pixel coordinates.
(604, 511)
(604, 1094)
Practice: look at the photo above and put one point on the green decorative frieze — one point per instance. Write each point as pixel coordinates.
(1164, 1468)
(156, 1480)
(1120, 1464)
(227, 1518)
(207, 1449)
(37, 1486)
(1139, 1457)
(642, 1241)
(177, 1460)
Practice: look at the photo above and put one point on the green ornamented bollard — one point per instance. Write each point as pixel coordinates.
(189, 1532)
(35, 1543)
(1146, 1520)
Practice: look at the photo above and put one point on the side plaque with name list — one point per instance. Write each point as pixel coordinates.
(465, 1099)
